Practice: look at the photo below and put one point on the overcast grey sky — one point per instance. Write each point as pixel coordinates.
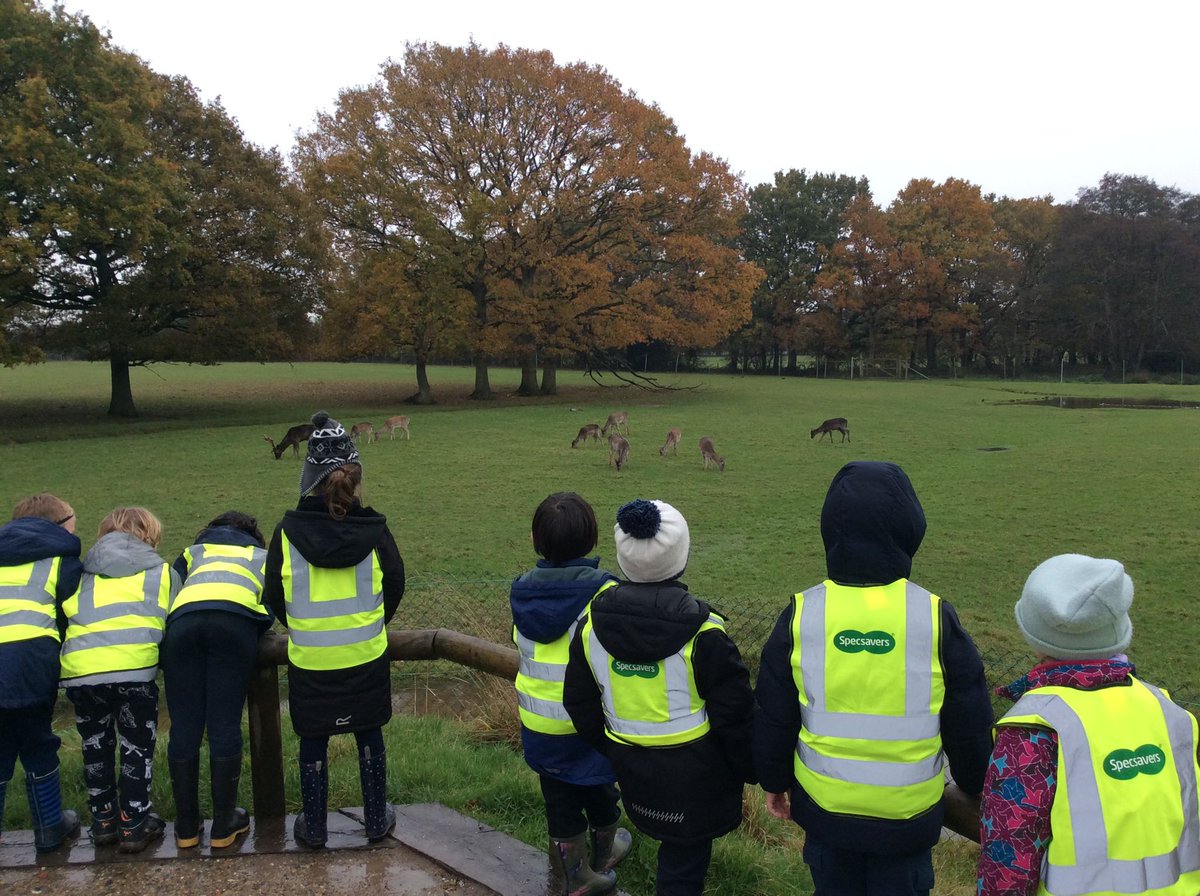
(1024, 98)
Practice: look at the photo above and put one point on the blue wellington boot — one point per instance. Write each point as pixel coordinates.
(52, 824)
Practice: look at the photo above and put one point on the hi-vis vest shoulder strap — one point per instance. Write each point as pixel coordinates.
(223, 572)
(650, 704)
(871, 686)
(27, 600)
(115, 625)
(335, 617)
(1126, 811)
(540, 675)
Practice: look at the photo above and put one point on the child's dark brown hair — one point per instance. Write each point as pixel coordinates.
(564, 527)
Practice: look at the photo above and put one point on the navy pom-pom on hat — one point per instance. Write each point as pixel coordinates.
(329, 447)
(652, 541)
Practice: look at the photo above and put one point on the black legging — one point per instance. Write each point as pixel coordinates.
(316, 749)
(207, 659)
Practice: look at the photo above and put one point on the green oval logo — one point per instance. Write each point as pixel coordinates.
(1124, 765)
(851, 641)
(635, 670)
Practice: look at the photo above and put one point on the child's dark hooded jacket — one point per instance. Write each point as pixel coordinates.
(545, 602)
(681, 793)
(29, 669)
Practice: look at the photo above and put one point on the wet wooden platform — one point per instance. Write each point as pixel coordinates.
(462, 845)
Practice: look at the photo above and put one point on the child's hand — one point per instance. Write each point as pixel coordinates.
(779, 805)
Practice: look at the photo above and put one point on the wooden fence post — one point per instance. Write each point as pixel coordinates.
(266, 743)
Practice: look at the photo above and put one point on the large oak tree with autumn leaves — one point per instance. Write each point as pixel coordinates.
(514, 206)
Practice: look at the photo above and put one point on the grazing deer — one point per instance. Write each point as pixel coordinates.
(618, 422)
(709, 454)
(837, 424)
(294, 437)
(362, 430)
(391, 424)
(588, 431)
(618, 451)
(672, 443)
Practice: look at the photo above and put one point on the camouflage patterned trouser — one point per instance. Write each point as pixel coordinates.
(107, 715)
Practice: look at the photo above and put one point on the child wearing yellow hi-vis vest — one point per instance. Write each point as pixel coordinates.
(39, 571)
(115, 623)
(655, 683)
(209, 653)
(577, 781)
(1092, 785)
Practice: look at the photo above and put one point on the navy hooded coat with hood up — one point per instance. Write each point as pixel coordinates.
(872, 524)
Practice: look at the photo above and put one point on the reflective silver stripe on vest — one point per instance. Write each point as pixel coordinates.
(1094, 871)
(88, 613)
(302, 606)
(678, 696)
(864, 771)
(34, 591)
(339, 638)
(531, 668)
(253, 567)
(547, 709)
(137, 636)
(869, 727)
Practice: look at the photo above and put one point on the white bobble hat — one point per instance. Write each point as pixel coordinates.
(652, 541)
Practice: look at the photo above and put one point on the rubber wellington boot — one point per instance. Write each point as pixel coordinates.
(378, 816)
(185, 785)
(610, 844)
(229, 819)
(570, 859)
(310, 829)
(52, 824)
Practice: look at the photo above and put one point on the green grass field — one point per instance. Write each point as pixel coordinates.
(1116, 482)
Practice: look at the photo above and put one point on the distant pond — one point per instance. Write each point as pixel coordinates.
(1148, 404)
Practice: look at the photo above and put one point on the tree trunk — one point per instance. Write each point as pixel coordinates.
(424, 394)
(549, 377)
(121, 402)
(483, 387)
(529, 379)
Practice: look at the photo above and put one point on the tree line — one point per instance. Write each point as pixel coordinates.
(496, 205)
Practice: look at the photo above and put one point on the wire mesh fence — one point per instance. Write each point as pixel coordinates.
(479, 607)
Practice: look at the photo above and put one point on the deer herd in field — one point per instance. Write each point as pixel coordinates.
(615, 429)
(359, 432)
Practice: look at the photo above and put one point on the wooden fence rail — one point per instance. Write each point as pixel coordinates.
(266, 733)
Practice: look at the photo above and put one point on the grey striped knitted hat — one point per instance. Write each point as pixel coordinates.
(329, 447)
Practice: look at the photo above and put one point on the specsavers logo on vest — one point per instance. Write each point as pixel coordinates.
(635, 670)
(1125, 765)
(851, 641)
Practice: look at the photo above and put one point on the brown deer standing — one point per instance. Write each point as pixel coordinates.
(672, 443)
(294, 437)
(391, 424)
(588, 431)
(618, 451)
(709, 454)
(361, 431)
(836, 424)
(618, 422)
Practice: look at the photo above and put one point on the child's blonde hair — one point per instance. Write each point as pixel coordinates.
(137, 521)
(45, 506)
